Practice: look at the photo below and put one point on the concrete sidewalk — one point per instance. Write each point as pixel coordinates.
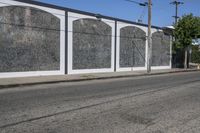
(14, 82)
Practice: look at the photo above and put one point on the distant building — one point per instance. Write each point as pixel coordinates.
(168, 29)
(196, 41)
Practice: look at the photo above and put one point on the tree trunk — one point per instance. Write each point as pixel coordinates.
(186, 59)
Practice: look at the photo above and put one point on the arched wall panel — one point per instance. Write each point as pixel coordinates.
(161, 49)
(90, 44)
(131, 47)
(32, 40)
(23, 46)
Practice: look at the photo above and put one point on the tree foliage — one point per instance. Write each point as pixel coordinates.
(186, 29)
(195, 54)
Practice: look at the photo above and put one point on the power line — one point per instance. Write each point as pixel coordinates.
(53, 29)
(138, 3)
(85, 33)
(140, 20)
(143, 4)
(56, 14)
(77, 32)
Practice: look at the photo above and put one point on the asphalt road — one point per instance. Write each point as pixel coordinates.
(154, 104)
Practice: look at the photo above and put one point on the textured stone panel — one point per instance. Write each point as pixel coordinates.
(91, 44)
(29, 40)
(132, 47)
(160, 49)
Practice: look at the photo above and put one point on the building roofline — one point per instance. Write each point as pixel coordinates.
(83, 12)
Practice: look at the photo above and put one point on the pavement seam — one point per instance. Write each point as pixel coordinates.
(93, 78)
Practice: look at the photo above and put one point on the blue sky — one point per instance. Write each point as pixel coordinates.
(162, 10)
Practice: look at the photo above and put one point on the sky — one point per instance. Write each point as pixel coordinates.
(162, 11)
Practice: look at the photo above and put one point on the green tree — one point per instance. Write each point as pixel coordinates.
(186, 29)
(195, 54)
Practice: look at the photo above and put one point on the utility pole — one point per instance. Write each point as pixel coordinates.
(149, 48)
(149, 53)
(176, 3)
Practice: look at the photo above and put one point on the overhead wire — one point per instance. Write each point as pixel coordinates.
(53, 29)
(60, 30)
(141, 17)
(64, 15)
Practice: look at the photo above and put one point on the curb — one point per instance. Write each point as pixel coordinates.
(93, 78)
